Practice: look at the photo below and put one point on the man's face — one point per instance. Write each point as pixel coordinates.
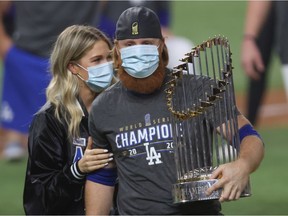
(141, 85)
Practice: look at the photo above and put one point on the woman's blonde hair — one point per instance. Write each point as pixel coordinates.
(63, 90)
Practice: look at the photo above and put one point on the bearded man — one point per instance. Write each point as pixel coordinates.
(132, 120)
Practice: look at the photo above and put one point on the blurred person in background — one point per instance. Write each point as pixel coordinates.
(81, 66)
(266, 30)
(177, 45)
(7, 17)
(25, 62)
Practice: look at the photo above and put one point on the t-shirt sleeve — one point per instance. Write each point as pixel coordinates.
(97, 134)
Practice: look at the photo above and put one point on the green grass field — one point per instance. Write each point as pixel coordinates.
(199, 20)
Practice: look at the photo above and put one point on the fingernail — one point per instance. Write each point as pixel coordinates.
(110, 159)
(105, 164)
(105, 150)
(111, 154)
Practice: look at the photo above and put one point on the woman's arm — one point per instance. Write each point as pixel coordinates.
(50, 167)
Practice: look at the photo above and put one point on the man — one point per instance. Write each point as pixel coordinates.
(134, 124)
(265, 31)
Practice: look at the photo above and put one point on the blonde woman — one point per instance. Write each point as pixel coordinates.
(60, 153)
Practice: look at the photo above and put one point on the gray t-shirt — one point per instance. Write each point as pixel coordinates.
(137, 128)
(38, 23)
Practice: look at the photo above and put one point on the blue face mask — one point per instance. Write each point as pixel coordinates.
(140, 61)
(99, 76)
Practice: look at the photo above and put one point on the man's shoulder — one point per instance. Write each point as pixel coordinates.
(111, 90)
(108, 94)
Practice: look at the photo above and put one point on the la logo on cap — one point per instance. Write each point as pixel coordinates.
(135, 28)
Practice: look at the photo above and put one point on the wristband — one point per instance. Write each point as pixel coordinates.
(247, 130)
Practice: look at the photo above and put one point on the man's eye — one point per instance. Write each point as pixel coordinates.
(147, 43)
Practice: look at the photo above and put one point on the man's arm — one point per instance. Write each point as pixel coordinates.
(256, 15)
(5, 40)
(251, 147)
(99, 191)
(234, 176)
(251, 59)
(98, 198)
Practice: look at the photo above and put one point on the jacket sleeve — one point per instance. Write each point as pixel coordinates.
(49, 164)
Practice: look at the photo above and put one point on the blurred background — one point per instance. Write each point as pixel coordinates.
(199, 21)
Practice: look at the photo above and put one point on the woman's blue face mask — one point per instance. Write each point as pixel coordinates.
(99, 76)
(140, 61)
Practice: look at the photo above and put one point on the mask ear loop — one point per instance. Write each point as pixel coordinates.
(78, 74)
(81, 67)
(80, 77)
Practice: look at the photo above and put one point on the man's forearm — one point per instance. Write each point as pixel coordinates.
(256, 14)
(251, 147)
(5, 40)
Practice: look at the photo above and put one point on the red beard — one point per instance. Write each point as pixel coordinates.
(143, 85)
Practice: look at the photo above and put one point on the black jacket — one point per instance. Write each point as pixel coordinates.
(52, 185)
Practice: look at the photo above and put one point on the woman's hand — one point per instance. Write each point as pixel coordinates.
(94, 159)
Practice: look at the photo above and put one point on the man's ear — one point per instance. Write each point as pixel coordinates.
(162, 42)
(72, 68)
(116, 48)
(116, 55)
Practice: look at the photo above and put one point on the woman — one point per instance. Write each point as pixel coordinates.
(58, 162)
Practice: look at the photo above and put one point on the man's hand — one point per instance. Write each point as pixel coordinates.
(233, 177)
(251, 59)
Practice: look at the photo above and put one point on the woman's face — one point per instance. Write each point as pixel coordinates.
(99, 54)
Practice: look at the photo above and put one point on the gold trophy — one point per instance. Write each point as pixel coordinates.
(201, 99)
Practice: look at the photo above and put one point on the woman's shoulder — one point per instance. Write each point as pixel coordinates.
(45, 117)
(47, 110)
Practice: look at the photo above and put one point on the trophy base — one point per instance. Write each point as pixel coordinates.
(195, 191)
